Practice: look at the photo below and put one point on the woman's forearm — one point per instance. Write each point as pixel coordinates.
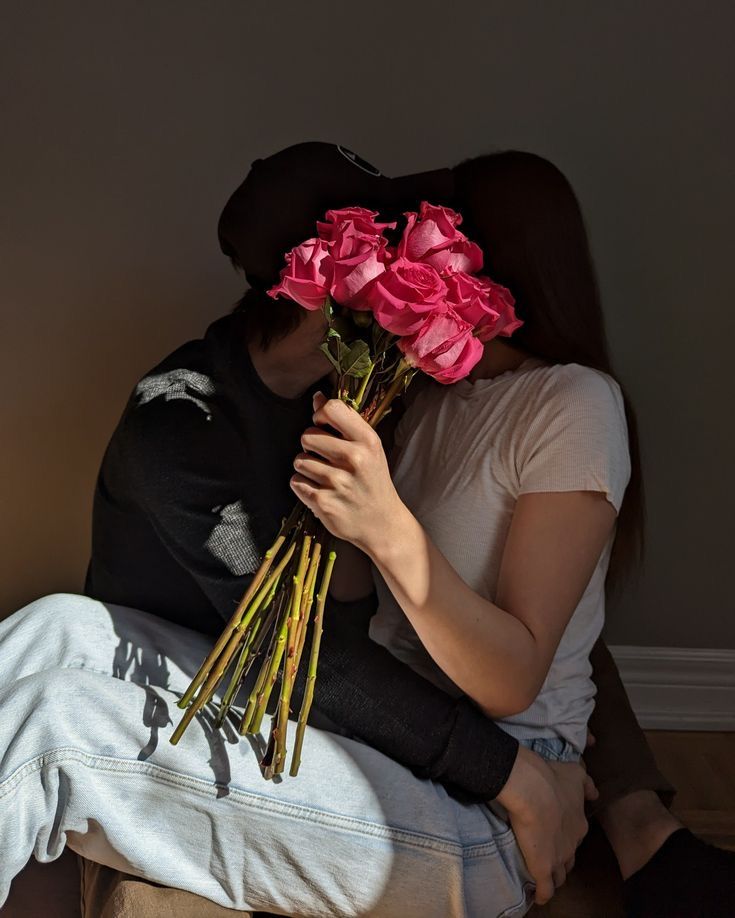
(366, 691)
(487, 652)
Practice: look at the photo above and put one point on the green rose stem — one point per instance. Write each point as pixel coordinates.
(294, 620)
(225, 657)
(234, 683)
(233, 622)
(267, 677)
(268, 618)
(313, 662)
(270, 761)
(253, 715)
(256, 638)
(281, 639)
(257, 689)
(243, 664)
(392, 392)
(363, 387)
(300, 637)
(301, 584)
(309, 600)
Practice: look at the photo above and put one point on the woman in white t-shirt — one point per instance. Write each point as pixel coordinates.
(512, 490)
(492, 542)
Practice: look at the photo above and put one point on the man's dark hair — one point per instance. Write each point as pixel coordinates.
(266, 320)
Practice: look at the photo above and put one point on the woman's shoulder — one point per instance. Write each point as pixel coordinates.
(577, 437)
(576, 386)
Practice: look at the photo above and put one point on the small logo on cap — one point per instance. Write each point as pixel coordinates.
(358, 161)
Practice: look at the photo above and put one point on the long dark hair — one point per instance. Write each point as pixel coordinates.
(523, 212)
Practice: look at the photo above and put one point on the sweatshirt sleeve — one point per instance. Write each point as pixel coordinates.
(373, 696)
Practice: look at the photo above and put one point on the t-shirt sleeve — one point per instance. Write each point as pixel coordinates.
(578, 440)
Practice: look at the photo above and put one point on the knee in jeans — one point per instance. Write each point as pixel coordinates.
(59, 695)
(65, 620)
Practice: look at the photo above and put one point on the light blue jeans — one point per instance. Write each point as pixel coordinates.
(87, 704)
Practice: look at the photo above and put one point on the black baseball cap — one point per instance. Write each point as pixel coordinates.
(283, 196)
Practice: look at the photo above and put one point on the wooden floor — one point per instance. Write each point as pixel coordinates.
(701, 766)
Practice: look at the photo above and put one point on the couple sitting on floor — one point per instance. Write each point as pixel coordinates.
(461, 659)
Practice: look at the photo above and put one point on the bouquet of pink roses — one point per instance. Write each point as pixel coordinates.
(391, 310)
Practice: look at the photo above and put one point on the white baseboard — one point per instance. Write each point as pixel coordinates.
(679, 688)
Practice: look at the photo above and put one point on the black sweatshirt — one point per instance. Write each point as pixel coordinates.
(192, 491)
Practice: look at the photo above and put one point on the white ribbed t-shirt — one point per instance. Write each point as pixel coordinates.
(464, 453)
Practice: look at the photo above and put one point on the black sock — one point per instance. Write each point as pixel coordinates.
(685, 878)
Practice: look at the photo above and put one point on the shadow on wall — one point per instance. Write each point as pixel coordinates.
(65, 409)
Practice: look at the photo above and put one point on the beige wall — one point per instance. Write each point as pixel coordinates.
(125, 125)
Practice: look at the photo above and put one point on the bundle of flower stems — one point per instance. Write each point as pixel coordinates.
(288, 593)
(270, 625)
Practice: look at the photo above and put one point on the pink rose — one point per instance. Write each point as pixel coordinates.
(358, 248)
(362, 219)
(357, 259)
(403, 295)
(444, 347)
(307, 277)
(431, 236)
(483, 303)
(460, 256)
(505, 304)
(471, 299)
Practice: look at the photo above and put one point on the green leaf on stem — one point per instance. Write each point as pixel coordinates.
(327, 308)
(336, 352)
(357, 362)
